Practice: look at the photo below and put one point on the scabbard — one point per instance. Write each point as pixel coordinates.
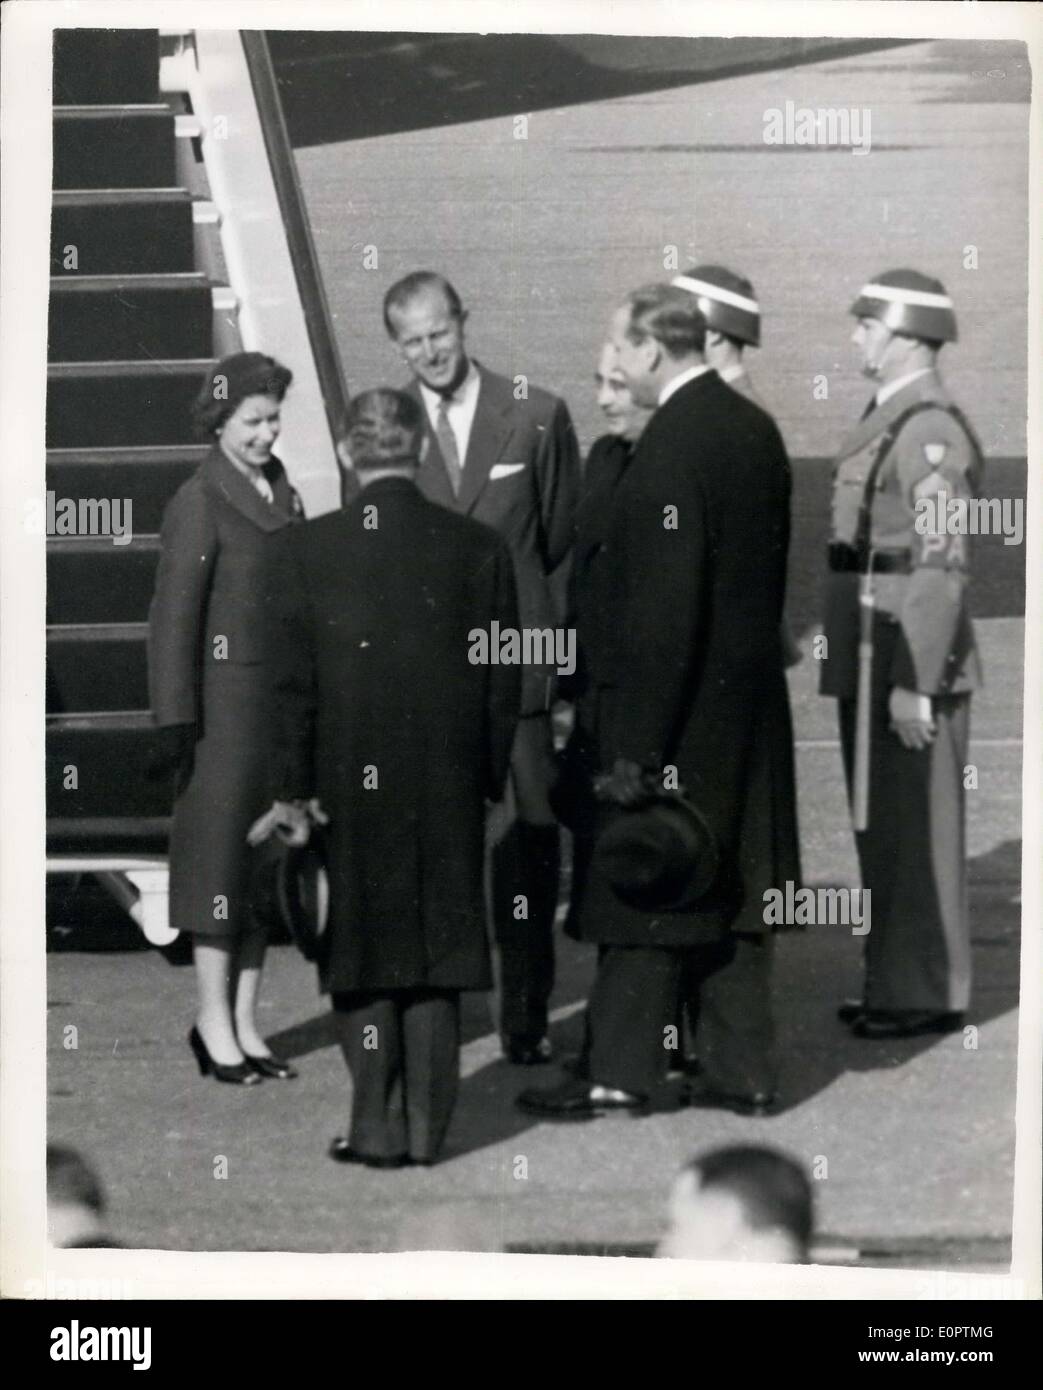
(863, 705)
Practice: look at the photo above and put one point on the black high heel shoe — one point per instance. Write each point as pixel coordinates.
(275, 1067)
(241, 1074)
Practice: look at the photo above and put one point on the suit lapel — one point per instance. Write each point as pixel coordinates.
(224, 478)
(490, 431)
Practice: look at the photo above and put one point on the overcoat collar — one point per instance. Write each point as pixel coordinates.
(491, 431)
(925, 388)
(696, 386)
(223, 478)
(386, 487)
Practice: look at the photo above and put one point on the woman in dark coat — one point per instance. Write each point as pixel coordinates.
(209, 692)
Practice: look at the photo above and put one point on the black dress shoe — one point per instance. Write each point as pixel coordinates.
(237, 1074)
(342, 1152)
(578, 1099)
(275, 1067)
(907, 1024)
(851, 1010)
(756, 1106)
(528, 1052)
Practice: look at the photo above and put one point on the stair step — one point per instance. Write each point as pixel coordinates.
(96, 834)
(105, 66)
(90, 580)
(114, 147)
(148, 477)
(111, 760)
(93, 317)
(130, 231)
(97, 667)
(122, 403)
(101, 722)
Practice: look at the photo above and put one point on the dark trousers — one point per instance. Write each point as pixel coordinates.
(402, 1048)
(525, 870)
(633, 1011)
(913, 860)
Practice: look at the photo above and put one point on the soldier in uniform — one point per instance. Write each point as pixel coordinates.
(909, 457)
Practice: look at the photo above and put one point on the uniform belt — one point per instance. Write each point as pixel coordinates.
(849, 559)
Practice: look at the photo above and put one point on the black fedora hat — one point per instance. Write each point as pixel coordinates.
(659, 856)
(291, 890)
(302, 891)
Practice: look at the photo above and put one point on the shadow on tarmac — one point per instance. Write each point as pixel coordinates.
(815, 970)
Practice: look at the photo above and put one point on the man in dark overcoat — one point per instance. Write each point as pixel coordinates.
(698, 541)
(505, 453)
(385, 720)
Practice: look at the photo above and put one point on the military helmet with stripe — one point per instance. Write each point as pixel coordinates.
(909, 303)
(727, 301)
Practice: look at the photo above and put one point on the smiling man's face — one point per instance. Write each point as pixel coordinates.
(431, 339)
(623, 416)
(635, 361)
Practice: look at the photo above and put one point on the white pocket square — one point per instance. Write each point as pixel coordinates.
(504, 470)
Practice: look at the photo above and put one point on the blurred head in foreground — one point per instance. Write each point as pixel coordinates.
(743, 1202)
(75, 1202)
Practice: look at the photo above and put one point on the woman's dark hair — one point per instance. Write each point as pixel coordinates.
(230, 381)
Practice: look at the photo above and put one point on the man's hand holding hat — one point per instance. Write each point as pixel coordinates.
(290, 820)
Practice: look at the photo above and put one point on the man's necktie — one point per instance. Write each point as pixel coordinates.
(447, 444)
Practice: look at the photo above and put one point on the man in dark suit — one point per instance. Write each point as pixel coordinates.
(504, 453)
(699, 535)
(384, 718)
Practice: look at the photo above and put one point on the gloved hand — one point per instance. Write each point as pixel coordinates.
(625, 784)
(912, 717)
(173, 755)
(292, 821)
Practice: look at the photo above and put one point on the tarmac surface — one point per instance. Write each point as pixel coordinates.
(911, 1142)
